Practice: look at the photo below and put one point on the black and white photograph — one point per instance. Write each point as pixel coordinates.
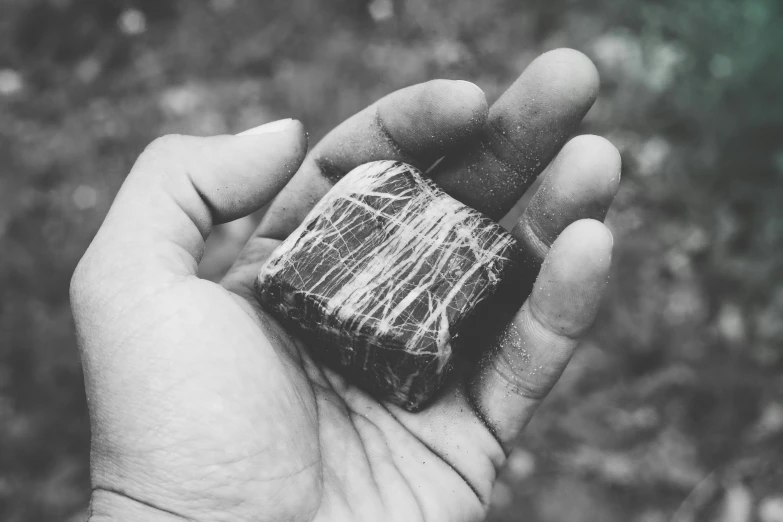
(391, 260)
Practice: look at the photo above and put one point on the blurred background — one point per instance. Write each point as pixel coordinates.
(671, 410)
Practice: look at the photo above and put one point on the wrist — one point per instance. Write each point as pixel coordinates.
(111, 506)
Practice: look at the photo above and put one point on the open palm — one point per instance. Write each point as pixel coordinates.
(204, 408)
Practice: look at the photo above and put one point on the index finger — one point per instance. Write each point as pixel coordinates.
(416, 125)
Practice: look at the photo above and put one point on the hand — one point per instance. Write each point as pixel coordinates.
(203, 408)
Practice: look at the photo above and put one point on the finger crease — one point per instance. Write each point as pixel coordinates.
(203, 228)
(138, 500)
(525, 178)
(500, 135)
(533, 234)
(482, 417)
(516, 384)
(328, 169)
(407, 157)
(560, 333)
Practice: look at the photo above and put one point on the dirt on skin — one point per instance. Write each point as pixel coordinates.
(671, 408)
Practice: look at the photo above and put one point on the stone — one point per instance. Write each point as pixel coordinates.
(389, 278)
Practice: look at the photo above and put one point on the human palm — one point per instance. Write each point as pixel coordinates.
(205, 408)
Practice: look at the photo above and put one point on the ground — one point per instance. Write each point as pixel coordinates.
(671, 410)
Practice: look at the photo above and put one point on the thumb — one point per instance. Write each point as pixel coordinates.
(178, 189)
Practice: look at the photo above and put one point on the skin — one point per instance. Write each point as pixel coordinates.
(204, 408)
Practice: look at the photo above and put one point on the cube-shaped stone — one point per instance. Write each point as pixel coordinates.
(386, 277)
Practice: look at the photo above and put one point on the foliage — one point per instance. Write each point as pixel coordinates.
(681, 376)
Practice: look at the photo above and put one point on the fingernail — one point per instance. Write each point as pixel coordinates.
(269, 128)
(472, 85)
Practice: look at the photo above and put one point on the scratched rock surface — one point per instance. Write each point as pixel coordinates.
(388, 277)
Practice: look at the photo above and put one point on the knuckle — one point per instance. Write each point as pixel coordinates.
(163, 157)
(78, 289)
(164, 150)
(92, 289)
(164, 145)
